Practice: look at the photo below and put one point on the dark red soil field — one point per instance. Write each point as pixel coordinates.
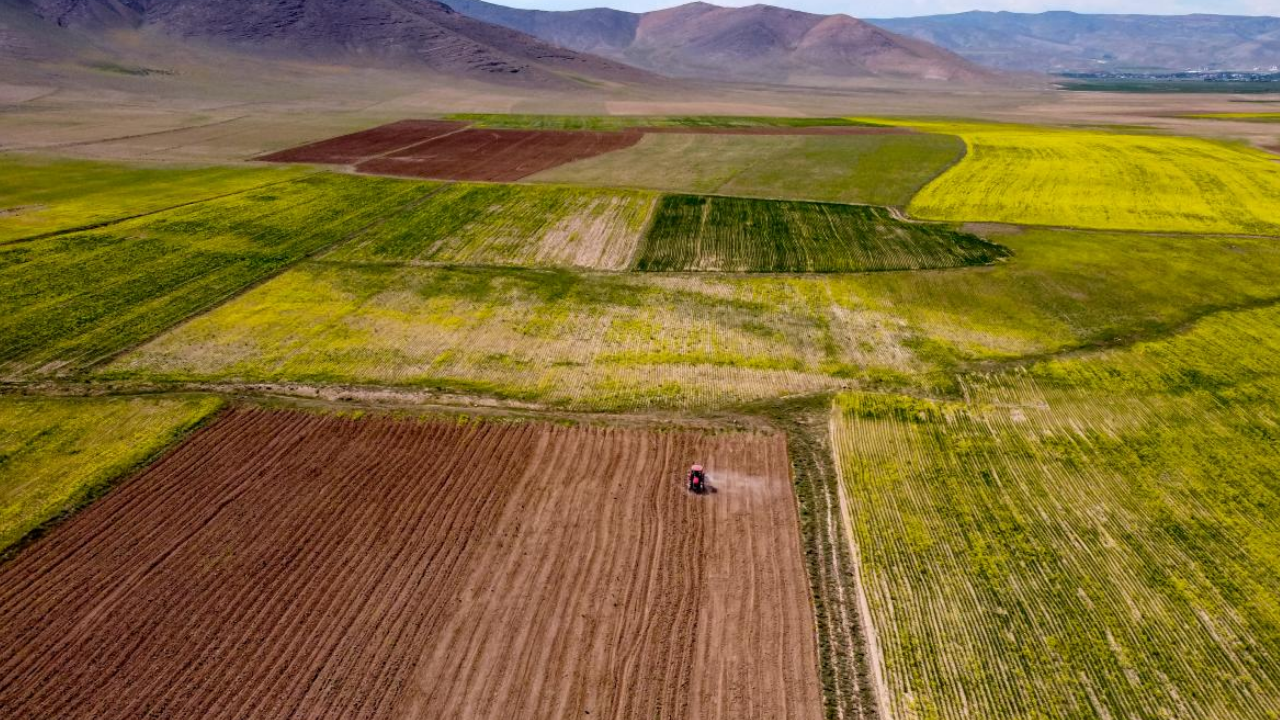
(497, 155)
(353, 148)
(283, 564)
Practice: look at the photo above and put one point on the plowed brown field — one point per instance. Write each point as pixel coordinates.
(365, 144)
(285, 564)
(497, 155)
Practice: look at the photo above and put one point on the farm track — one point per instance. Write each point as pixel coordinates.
(849, 687)
(286, 564)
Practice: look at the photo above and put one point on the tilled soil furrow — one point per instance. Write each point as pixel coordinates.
(156, 596)
(281, 610)
(283, 565)
(83, 586)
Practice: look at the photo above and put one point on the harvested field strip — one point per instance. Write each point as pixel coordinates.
(1104, 180)
(69, 301)
(496, 155)
(56, 453)
(39, 196)
(1094, 537)
(365, 144)
(511, 225)
(625, 122)
(692, 232)
(289, 565)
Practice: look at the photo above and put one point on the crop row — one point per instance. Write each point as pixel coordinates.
(1090, 538)
(71, 300)
(510, 225)
(692, 232)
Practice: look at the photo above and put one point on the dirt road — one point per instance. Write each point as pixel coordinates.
(286, 564)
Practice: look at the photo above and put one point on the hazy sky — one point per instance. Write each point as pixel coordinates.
(905, 8)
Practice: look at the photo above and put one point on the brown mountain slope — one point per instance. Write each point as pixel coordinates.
(396, 32)
(755, 43)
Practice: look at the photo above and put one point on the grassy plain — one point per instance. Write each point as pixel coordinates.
(1093, 537)
(511, 225)
(1104, 180)
(43, 195)
(872, 169)
(698, 340)
(695, 232)
(55, 453)
(623, 122)
(71, 300)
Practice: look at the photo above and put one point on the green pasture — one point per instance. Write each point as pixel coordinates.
(45, 195)
(57, 453)
(871, 169)
(694, 232)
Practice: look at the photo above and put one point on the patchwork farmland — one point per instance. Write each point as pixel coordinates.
(989, 411)
(290, 564)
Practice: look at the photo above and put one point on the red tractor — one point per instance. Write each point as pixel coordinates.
(697, 480)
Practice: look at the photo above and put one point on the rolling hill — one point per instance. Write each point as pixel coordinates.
(756, 43)
(1065, 41)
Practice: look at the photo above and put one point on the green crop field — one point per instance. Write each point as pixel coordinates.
(872, 169)
(623, 122)
(1105, 180)
(74, 299)
(40, 195)
(1243, 116)
(612, 341)
(692, 232)
(55, 453)
(1095, 537)
(511, 225)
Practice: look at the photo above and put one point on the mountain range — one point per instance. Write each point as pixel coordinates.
(587, 48)
(421, 33)
(1067, 41)
(758, 42)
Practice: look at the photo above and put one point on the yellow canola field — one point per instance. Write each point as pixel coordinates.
(1103, 180)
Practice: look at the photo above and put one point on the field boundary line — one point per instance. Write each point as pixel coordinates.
(89, 366)
(1168, 332)
(843, 671)
(117, 221)
(81, 143)
(104, 487)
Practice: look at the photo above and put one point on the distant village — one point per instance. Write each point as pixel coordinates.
(1268, 75)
